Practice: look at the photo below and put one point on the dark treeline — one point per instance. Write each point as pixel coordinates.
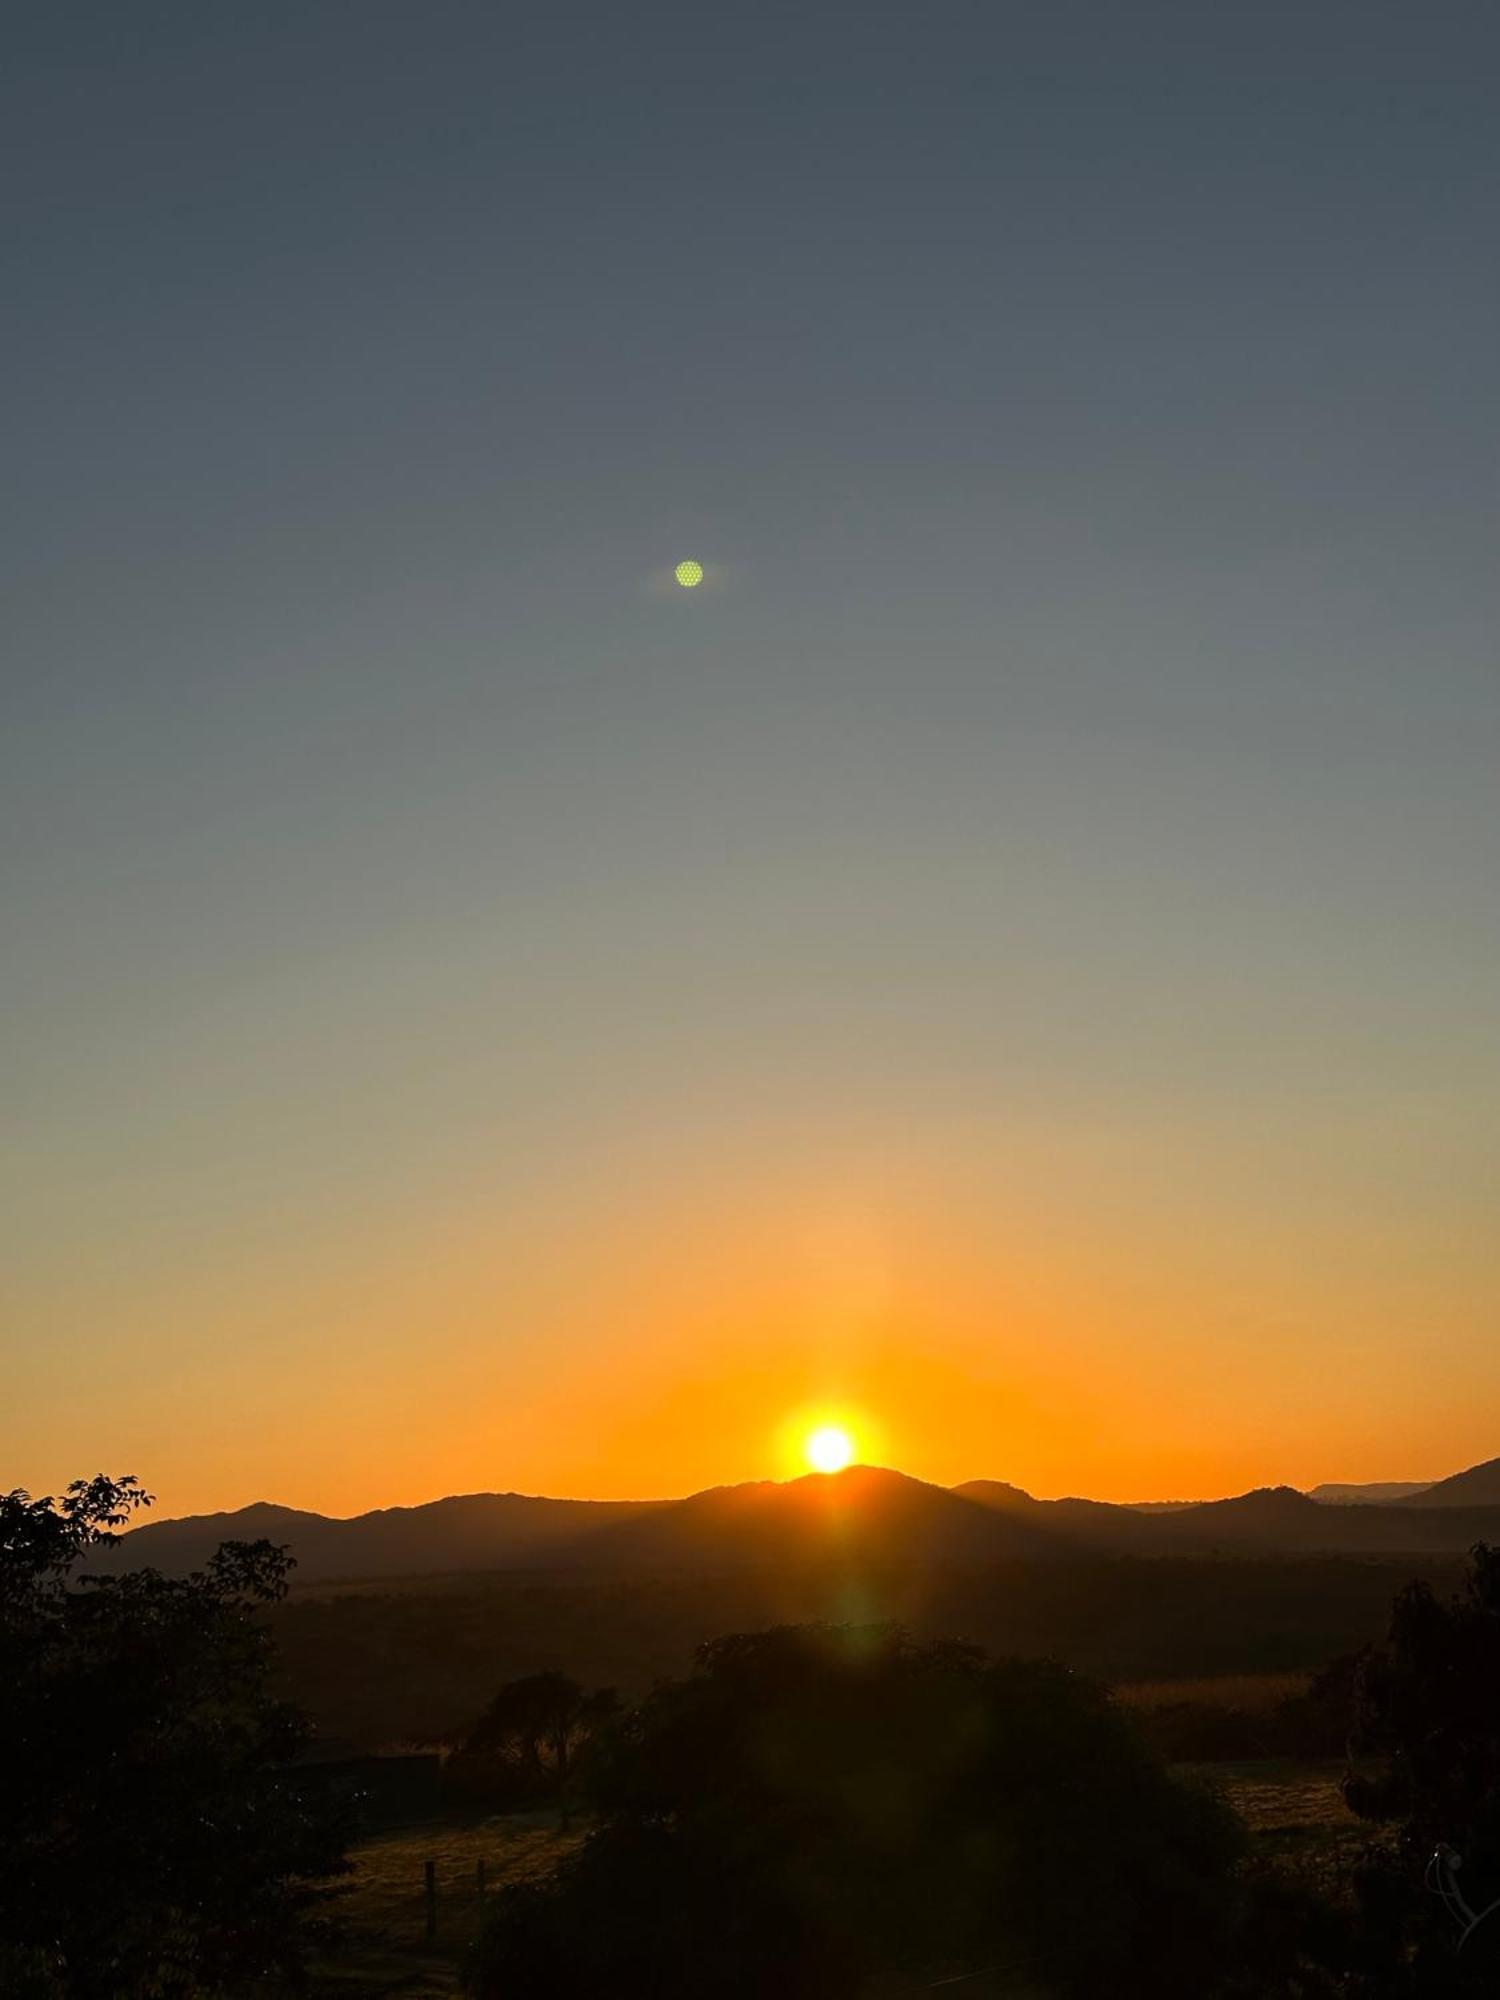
(384, 1665)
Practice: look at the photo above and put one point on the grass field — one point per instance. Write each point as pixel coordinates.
(383, 1907)
(1280, 1795)
(1300, 1828)
(1251, 1693)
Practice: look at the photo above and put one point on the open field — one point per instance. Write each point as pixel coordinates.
(1277, 1795)
(1249, 1693)
(382, 1908)
(1300, 1828)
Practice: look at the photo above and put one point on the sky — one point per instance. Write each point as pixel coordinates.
(1010, 962)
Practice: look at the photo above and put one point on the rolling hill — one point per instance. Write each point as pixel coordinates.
(1378, 1493)
(1479, 1486)
(470, 1531)
(862, 1518)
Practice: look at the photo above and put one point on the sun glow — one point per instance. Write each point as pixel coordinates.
(829, 1449)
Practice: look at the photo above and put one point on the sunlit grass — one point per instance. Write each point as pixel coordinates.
(1246, 1692)
(382, 1907)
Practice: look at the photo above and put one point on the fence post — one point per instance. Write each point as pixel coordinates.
(429, 1873)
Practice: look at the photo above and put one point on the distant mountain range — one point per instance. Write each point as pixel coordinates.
(862, 1518)
(464, 1532)
(1377, 1494)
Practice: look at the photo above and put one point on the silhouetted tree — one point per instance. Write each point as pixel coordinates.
(814, 1803)
(1429, 1707)
(147, 1844)
(525, 1743)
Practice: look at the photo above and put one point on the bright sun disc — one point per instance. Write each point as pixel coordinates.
(689, 574)
(829, 1449)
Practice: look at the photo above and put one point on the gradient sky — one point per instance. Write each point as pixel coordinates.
(1014, 959)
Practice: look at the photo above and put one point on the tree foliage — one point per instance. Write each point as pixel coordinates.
(1429, 1711)
(525, 1744)
(814, 1803)
(148, 1846)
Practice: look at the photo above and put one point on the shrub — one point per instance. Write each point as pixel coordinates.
(815, 1803)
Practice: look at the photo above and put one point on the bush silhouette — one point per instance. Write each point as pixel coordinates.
(524, 1746)
(1429, 1708)
(148, 1846)
(815, 1803)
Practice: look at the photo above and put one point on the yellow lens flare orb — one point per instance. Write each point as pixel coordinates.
(829, 1449)
(689, 574)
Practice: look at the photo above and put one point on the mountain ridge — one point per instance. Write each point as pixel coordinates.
(1476, 1486)
(863, 1516)
(1375, 1492)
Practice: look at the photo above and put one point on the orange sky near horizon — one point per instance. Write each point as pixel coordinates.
(1068, 1311)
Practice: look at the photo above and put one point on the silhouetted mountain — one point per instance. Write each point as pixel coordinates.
(1379, 1493)
(1270, 1519)
(1478, 1487)
(997, 1493)
(1082, 1524)
(1280, 1519)
(469, 1531)
(862, 1518)
(1267, 1517)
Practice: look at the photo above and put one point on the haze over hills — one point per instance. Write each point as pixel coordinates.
(864, 1515)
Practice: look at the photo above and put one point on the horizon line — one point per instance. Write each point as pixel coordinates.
(726, 1486)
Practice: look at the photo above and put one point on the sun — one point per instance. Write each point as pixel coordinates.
(828, 1449)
